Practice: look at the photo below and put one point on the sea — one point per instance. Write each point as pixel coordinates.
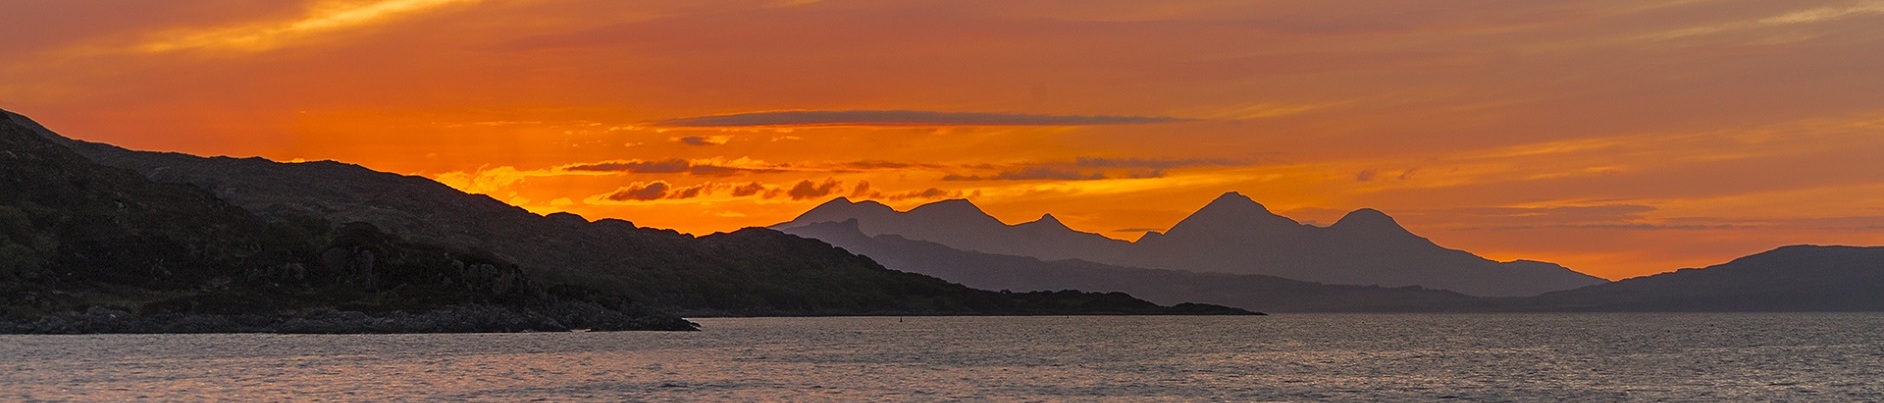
(1286, 357)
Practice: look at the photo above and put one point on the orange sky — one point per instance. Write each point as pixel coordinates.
(1620, 138)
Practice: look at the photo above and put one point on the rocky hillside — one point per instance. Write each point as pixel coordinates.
(749, 272)
(89, 248)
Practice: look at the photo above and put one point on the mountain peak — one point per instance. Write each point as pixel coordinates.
(950, 206)
(842, 202)
(841, 208)
(1048, 220)
(1366, 217)
(1231, 213)
(1236, 202)
(1233, 198)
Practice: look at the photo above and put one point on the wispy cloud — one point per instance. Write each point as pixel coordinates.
(672, 166)
(1032, 173)
(702, 140)
(323, 18)
(660, 191)
(1086, 168)
(1806, 16)
(902, 118)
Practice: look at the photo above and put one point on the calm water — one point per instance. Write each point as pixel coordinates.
(1685, 357)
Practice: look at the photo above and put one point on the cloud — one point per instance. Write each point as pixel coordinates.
(690, 191)
(1806, 16)
(657, 190)
(322, 18)
(1569, 213)
(667, 166)
(749, 189)
(902, 118)
(484, 181)
(1370, 174)
(807, 190)
(925, 194)
(867, 165)
(1032, 173)
(1086, 168)
(702, 140)
(1103, 162)
(673, 166)
(639, 191)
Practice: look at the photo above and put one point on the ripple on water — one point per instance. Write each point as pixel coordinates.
(1283, 357)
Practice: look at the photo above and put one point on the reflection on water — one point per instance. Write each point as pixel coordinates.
(1283, 357)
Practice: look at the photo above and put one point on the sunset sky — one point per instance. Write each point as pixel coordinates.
(1619, 138)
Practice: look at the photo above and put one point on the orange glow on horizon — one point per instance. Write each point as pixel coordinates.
(1619, 138)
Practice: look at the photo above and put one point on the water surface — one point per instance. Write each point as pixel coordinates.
(1546, 357)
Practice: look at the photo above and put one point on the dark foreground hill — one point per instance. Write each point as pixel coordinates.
(1022, 273)
(86, 248)
(748, 272)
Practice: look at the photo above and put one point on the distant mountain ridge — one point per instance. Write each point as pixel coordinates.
(1231, 234)
(961, 224)
(1023, 273)
(1802, 278)
(1799, 278)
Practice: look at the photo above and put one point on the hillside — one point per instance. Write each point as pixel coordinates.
(86, 248)
(753, 271)
(1792, 278)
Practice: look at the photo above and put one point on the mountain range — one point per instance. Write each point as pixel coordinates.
(1798, 278)
(163, 226)
(91, 234)
(1231, 234)
(1025, 273)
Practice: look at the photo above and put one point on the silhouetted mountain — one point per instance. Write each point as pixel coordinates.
(1231, 234)
(960, 224)
(1792, 278)
(1021, 273)
(89, 248)
(1237, 235)
(754, 271)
